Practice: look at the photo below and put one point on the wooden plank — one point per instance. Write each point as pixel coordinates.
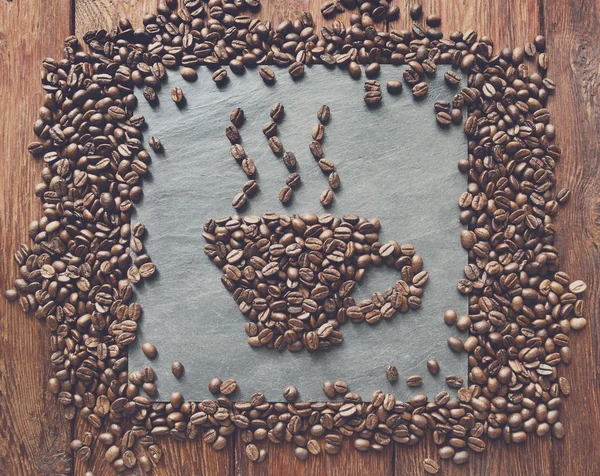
(571, 29)
(508, 23)
(34, 434)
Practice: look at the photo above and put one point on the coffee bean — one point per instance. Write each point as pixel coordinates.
(285, 194)
(420, 90)
(293, 180)
(443, 118)
(334, 180)
(391, 372)
(237, 117)
(326, 197)
(177, 95)
(324, 114)
(267, 74)
(455, 344)
(416, 11)
(11, 294)
(228, 387)
(220, 76)
(414, 381)
(301, 453)
(296, 70)
(329, 389)
(239, 201)
(214, 385)
(248, 167)
(177, 369)
(430, 466)
(150, 350)
(452, 78)
(372, 97)
(394, 86)
(270, 129)
(433, 21)
(232, 134)
(189, 74)
(433, 367)
(318, 132)
(250, 188)
(372, 70)
(454, 381)
(290, 393)
(252, 452)
(289, 159)
(155, 144)
(277, 112)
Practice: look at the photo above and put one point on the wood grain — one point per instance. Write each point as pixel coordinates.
(571, 29)
(34, 434)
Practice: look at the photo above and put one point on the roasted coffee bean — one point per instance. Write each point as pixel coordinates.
(275, 145)
(452, 78)
(430, 466)
(285, 194)
(414, 381)
(232, 134)
(326, 197)
(267, 74)
(220, 76)
(334, 180)
(391, 373)
(416, 11)
(277, 112)
(290, 393)
(228, 387)
(394, 86)
(324, 114)
(177, 95)
(177, 369)
(420, 90)
(372, 97)
(149, 350)
(239, 201)
(289, 159)
(214, 385)
(433, 367)
(155, 144)
(293, 180)
(237, 116)
(296, 70)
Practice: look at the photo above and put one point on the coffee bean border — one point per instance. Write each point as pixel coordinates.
(77, 274)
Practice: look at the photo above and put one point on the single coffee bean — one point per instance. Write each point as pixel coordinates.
(326, 197)
(155, 143)
(285, 194)
(416, 11)
(177, 369)
(293, 180)
(318, 132)
(452, 78)
(296, 70)
(454, 381)
(372, 97)
(252, 452)
(433, 367)
(239, 201)
(220, 76)
(329, 389)
(270, 129)
(420, 90)
(11, 294)
(290, 393)
(237, 117)
(301, 453)
(149, 350)
(334, 180)
(430, 466)
(414, 381)
(391, 372)
(324, 114)
(394, 86)
(232, 134)
(177, 95)
(289, 159)
(214, 386)
(250, 188)
(228, 387)
(267, 74)
(189, 74)
(372, 70)
(433, 21)
(455, 344)
(275, 145)
(277, 112)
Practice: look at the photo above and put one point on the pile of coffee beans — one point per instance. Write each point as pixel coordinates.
(293, 276)
(78, 273)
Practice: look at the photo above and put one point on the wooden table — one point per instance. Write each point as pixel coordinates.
(34, 436)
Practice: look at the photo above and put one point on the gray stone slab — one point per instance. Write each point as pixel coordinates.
(395, 163)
